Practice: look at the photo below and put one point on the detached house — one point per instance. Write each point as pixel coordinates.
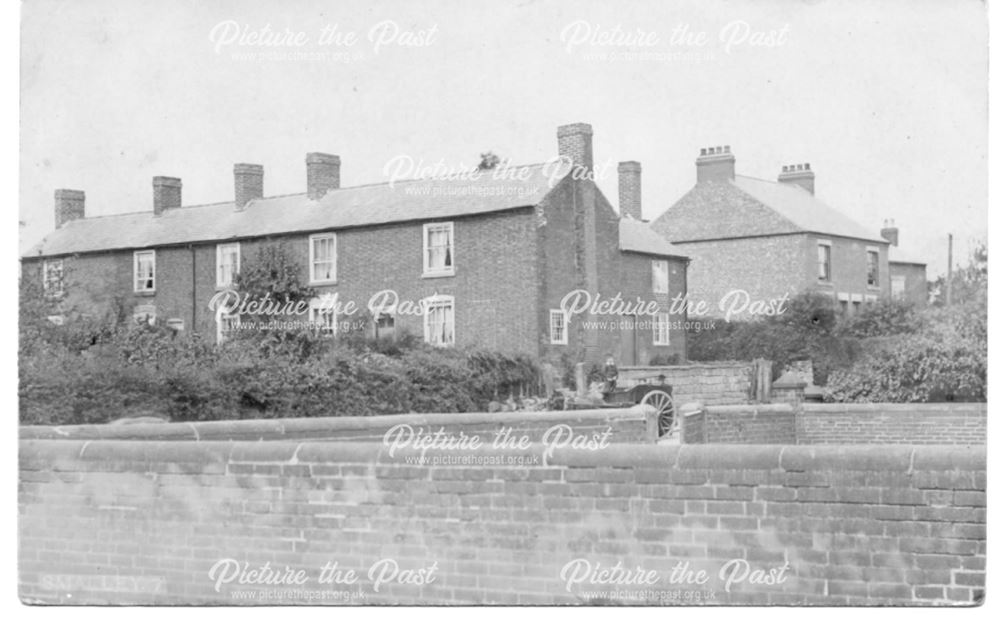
(484, 260)
(774, 238)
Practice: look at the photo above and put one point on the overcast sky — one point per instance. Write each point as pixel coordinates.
(886, 100)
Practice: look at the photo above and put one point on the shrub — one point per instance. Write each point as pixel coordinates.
(942, 362)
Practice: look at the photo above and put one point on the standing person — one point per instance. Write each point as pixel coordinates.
(610, 376)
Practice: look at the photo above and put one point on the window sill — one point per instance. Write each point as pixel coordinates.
(322, 283)
(874, 288)
(437, 275)
(823, 283)
(145, 292)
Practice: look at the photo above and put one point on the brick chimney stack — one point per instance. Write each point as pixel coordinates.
(576, 142)
(322, 174)
(166, 194)
(249, 182)
(890, 232)
(800, 175)
(69, 205)
(630, 189)
(716, 164)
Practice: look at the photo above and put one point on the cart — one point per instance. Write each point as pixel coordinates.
(659, 396)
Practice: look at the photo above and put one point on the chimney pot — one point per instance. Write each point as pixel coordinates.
(801, 175)
(322, 174)
(249, 183)
(716, 164)
(630, 189)
(576, 143)
(890, 233)
(69, 205)
(166, 194)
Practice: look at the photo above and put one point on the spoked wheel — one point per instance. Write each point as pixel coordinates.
(664, 405)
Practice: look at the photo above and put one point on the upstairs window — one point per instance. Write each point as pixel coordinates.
(144, 268)
(557, 327)
(439, 249)
(661, 277)
(825, 267)
(323, 258)
(439, 320)
(871, 265)
(227, 263)
(52, 278)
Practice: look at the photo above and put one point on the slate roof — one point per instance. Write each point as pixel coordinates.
(747, 206)
(899, 254)
(639, 237)
(376, 204)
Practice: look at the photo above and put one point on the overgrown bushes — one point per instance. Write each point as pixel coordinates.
(889, 352)
(145, 370)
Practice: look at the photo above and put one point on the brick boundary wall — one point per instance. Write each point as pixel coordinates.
(916, 424)
(144, 522)
(628, 425)
(711, 384)
(836, 424)
(744, 424)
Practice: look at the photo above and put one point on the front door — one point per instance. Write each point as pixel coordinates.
(629, 337)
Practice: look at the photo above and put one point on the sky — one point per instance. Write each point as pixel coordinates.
(886, 100)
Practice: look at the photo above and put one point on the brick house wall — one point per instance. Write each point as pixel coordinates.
(494, 259)
(768, 267)
(579, 249)
(560, 246)
(849, 270)
(914, 281)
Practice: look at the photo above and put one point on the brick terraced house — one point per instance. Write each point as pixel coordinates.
(772, 238)
(485, 261)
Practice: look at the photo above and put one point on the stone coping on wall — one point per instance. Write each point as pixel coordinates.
(877, 407)
(117, 455)
(306, 427)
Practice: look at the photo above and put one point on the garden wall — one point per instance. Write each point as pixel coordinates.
(709, 383)
(146, 522)
(628, 425)
(846, 424)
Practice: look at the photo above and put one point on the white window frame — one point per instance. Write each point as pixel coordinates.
(664, 268)
(375, 324)
(135, 272)
(326, 323)
(878, 268)
(433, 302)
(558, 315)
(437, 226)
(47, 284)
(220, 332)
(897, 285)
(829, 270)
(219, 254)
(661, 329)
(332, 237)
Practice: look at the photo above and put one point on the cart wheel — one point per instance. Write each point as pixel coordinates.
(664, 405)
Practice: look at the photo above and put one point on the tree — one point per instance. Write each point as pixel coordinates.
(488, 161)
(968, 281)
